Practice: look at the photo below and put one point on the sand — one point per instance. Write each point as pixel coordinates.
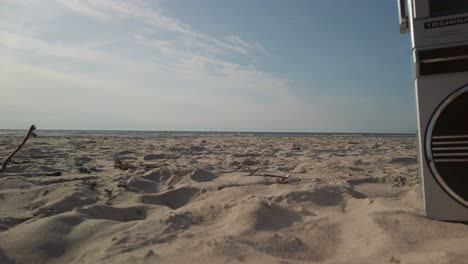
(189, 200)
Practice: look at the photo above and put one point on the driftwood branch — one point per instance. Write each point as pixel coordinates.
(8, 159)
(279, 179)
(253, 172)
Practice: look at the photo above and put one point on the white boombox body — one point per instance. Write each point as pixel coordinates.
(439, 36)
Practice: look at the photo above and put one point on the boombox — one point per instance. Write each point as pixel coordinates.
(439, 38)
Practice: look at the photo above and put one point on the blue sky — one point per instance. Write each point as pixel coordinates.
(244, 65)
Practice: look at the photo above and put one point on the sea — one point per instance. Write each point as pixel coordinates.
(140, 133)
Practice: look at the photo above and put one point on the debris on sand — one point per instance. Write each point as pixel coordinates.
(118, 164)
(8, 159)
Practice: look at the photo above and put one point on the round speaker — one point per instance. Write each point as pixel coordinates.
(447, 145)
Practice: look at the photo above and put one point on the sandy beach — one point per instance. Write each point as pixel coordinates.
(206, 199)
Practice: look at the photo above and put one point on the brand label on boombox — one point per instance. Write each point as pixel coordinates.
(446, 22)
(440, 31)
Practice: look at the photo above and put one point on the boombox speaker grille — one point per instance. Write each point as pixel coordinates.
(447, 145)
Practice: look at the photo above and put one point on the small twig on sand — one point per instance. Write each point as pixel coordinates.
(253, 172)
(267, 175)
(271, 175)
(8, 159)
(279, 179)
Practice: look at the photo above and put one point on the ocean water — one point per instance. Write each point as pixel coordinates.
(138, 133)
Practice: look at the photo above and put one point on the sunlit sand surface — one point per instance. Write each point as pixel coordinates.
(188, 199)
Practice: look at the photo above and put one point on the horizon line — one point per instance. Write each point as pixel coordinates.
(217, 131)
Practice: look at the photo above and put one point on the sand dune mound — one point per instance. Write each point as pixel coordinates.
(321, 196)
(319, 245)
(255, 214)
(14, 183)
(158, 175)
(167, 176)
(173, 199)
(57, 202)
(201, 175)
(140, 185)
(180, 221)
(41, 240)
(113, 213)
(407, 229)
(269, 216)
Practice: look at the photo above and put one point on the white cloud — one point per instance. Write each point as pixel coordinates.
(135, 67)
(88, 8)
(114, 10)
(236, 40)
